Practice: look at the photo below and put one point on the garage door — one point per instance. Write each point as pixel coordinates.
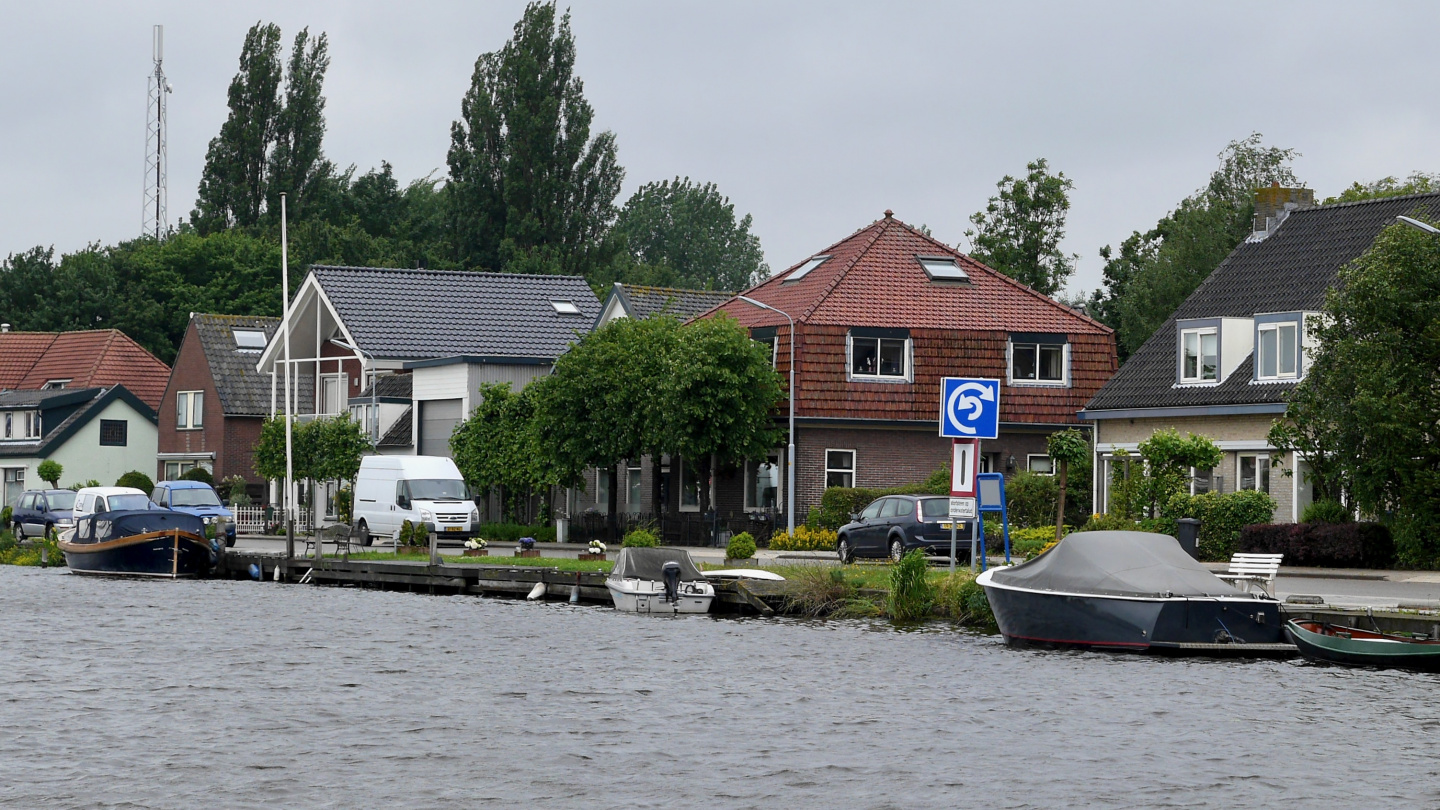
(438, 418)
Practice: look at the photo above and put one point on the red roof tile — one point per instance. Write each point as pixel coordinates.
(18, 353)
(89, 359)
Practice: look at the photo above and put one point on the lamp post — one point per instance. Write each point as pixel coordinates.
(790, 395)
(374, 387)
(1419, 226)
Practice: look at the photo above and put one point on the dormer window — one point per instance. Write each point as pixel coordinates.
(1279, 340)
(55, 385)
(804, 269)
(1039, 359)
(942, 268)
(565, 307)
(249, 340)
(1199, 355)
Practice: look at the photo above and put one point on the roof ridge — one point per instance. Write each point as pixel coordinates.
(675, 289)
(1372, 200)
(844, 271)
(496, 273)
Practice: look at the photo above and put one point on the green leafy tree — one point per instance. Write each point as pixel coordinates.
(1416, 183)
(1169, 457)
(50, 471)
(1020, 230)
(530, 190)
(498, 446)
(689, 230)
(232, 185)
(338, 443)
(1066, 448)
(297, 163)
(136, 479)
(1364, 417)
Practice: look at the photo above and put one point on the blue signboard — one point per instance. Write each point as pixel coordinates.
(969, 409)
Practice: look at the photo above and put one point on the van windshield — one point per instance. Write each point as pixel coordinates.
(438, 489)
(118, 502)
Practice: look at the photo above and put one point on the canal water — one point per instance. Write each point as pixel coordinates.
(122, 694)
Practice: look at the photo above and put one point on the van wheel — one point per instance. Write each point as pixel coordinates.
(897, 550)
(19, 532)
(362, 534)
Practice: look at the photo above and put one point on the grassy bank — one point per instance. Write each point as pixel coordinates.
(12, 553)
(861, 591)
(503, 559)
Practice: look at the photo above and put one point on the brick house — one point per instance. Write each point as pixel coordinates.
(95, 358)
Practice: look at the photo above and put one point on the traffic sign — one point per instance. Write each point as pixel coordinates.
(964, 464)
(962, 508)
(969, 408)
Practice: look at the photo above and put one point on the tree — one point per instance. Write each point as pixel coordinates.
(1416, 183)
(1020, 230)
(232, 185)
(1066, 447)
(497, 445)
(50, 471)
(1364, 417)
(297, 164)
(1169, 458)
(136, 479)
(530, 190)
(690, 230)
(1154, 272)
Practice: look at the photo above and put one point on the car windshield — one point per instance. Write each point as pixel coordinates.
(935, 508)
(193, 497)
(118, 502)
(60, 501)
(438, 489)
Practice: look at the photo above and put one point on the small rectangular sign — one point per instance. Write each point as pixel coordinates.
(962, 508)
(964, 464)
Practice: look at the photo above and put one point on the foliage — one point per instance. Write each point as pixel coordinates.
(79, 485)
(323, 449)
(50, 471)
(5, 515)
(816, 590)
(297, 167)
(235, 488)
(1327, 545)
(1108, 523)
(1033, 541)
(1153, 272)
(498, 444)
(1326, 511)
(1168, 460)
(804, 539)
(1069, 448)
(198, 474)
(740, 547)
(837, 504)
(640, 538)
(136, 479)
(911, 593)
(414, 534)
(12, 553)
(1364, 416)
(1221, 517)
(344, 500)
(512, 532)
(959, 597)
(1416, 183)
(530, 190)
(1030, 499)
(1020, 231)
(684, 234)
(1124, 485)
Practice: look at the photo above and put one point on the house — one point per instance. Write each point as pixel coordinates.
(99, 433)
(880, 317)
(96, 358)
(639, 301)
(215, 401)
(1224, 363)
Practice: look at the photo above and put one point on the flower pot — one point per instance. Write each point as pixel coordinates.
(477, 552)
(585, 555)
(520, 552)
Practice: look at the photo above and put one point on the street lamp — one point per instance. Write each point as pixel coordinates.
(1420, 226)
(374, 388)
(790, 461)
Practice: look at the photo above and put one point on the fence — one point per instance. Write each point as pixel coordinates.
(683, 529)
(252, 519)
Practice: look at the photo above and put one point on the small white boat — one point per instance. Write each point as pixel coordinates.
(658, 580)
(744, 573)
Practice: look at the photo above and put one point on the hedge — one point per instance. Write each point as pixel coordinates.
(514, 531)
(1323, 545)
(837, 504)
(1221, 518)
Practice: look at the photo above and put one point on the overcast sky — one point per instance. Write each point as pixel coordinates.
(813, 117)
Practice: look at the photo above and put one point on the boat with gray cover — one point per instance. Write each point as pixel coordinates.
(658, 580)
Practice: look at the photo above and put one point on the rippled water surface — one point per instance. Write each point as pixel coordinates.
(239, 694)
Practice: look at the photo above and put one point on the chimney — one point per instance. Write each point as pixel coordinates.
(4, 327)
(1274, 204)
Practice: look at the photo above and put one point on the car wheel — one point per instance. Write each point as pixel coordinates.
(362, 534)
(897, 549)
(19, 532)
(842, 550)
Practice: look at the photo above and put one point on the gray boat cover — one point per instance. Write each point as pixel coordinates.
(1116, 564)
(645, 563)
(105, 526)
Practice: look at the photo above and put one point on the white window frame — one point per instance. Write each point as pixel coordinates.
(773, 459)
(1214, 481)
(342, 381)
(9, 424)
(1262, 471)
(56, 385)
(1199, 333)
(32, 424)
(1030, 463)
(850, 374)
(1277, 327)
(189, 410)
(1011, 379)
(852, 472)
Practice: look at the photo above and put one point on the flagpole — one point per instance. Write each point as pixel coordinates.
(289, 440)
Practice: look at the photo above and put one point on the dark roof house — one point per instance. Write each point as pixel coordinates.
(637, 301)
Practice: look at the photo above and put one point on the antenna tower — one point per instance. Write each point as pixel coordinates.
(152, 215)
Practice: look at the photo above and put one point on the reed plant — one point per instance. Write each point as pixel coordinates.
(911, 594)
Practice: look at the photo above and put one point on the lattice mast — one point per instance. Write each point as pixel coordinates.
(152, 219)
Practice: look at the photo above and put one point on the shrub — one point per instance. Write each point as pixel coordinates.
(199, 474)
(136, 479)
(414, 534)
(911, 593)
(960, 598)
(1109, 523)
(1221, 518)
(512, 532)
(1030, 499)
(5, 515)
(1326, 511)
(1326, 545)
(1031, 542)
(79, 485)
(50, 470)
(817, 590)
(640, 538)
(741, 547)
(804, 539)
(237, 490)
(837, 504)
(342, 504)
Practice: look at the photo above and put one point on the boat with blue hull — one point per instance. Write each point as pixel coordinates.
(140, 543)
(1130, 591)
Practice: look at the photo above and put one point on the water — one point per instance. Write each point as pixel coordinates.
(124, 694)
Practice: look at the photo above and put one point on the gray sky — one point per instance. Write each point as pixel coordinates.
(813, 117)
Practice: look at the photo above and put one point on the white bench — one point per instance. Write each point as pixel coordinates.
(1254, 569)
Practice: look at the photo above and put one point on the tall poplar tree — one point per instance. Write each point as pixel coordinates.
(531, 191)
(297, 163)
(688, 232)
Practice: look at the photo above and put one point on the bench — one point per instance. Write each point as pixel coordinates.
(1254, 569)
(339, 534)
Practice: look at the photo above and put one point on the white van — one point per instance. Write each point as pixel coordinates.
(94, 500)
(421, 489)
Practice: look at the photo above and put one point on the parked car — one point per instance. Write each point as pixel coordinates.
(196, 498)
(40, 510)
(94, 500)
(390, 490)
(897, 524)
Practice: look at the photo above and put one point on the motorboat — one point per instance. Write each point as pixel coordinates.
(140, 543)
(658, 580)
(1351, 646)
(757, 574)
(1129, 591)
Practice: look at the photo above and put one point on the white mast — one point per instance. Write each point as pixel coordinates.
(285, 322)
(152, 214)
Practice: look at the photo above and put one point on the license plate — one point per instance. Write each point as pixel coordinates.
(948, 526)
(453, 528)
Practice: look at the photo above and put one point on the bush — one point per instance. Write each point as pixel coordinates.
(1030, 499)
(1326, 511)
(961, 599)
(5, 515)
(237, 490)
(911, 593)
(1031, 542)
(741, 547)
(136, 479)
(1323, 545)
(817, 590)
(804, 539)
(199, 474)
(50, 470)
(640, 538)
(512, 532)
(1109, 523)
(837, 504)
(407, 533)
(83, 484)
(1221, 518)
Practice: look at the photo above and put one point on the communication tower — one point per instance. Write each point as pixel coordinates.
(152, 217)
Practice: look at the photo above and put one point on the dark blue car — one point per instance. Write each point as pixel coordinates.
(197, 498)
(896, 524)
(40, 510)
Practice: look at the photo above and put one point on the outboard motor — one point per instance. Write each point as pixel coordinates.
(671, 573)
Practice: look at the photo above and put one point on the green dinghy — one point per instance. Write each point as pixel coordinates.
(1354, 647)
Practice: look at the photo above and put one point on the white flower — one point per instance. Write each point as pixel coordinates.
(597, 547)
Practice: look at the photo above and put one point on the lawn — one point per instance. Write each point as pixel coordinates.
(503, 560)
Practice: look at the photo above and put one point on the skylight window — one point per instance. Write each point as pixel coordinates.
(249, 340)
(565, 307)
(942, 268)
(805, 268)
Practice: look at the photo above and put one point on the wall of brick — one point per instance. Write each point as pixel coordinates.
(242, 433)
(191, 372)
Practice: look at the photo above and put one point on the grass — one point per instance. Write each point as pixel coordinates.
(506, 560)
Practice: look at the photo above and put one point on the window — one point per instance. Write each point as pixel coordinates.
(9, 425)
(1253, 472)
(602, 490)
(873, 510)
(333, 393)
(1041, 465)
(879, 354)
(804, 269)
(1199, 360)
(1037, 359)
(565, 307)
(839, 468)
(689, 487)
(762, 483)
(113, 432)
(942, 268)
(55, 385)
(765, 335)
(633, 489)
(175, 469)
(189, 410)
(1202, 481)
(32, 425)
(249, 340)
(1278, 351)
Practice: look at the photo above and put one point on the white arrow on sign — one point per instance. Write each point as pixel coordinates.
(962, 398)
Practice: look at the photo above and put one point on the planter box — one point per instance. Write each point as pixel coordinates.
(477, 552)
(520, 552)
(591, 557)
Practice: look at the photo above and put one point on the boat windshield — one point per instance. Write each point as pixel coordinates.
(128, 501)
(60, 501)
(438, 489)
(193, 497)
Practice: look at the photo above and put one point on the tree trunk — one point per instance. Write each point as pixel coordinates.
(1060, 512)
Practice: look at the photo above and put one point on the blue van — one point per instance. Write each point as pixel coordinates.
(196, 498)
(40, 510)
